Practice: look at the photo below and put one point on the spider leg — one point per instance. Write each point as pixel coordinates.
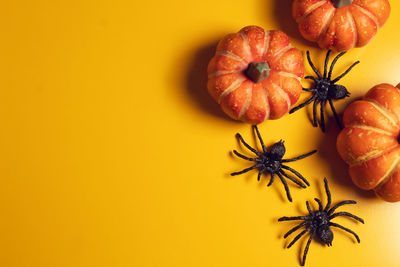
(311, 78)
(294, 229)
(308, 207)
(261, 140)
(322, 115)
(259, 173)
(297, 237)
(246, 170)
(303, 104)
(335, 114)
(333, 64)
(319, 204)
(326, 62)
(309, 90)
(292, 179)
(346, 229)
(248, 146)
(315, 124)
(294, 218)
(246, 158)
(348, 214)
(296, 173)
(328, 194)
(307, 247)
(300, 157)
(286, 186)
(344, 73)
(341, 204)
(271, 180)
(312, 65)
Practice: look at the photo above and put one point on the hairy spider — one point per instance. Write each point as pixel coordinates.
(319, 222)
(325, 90)
(270, 161)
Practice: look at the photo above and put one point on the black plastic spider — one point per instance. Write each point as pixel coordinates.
(319, 222)
(270, 161)
(325, 90)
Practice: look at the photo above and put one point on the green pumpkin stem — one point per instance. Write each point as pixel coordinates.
(258, 71)
(341, 3)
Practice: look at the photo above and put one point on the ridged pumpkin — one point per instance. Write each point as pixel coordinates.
(255, 74)
(340, 24)
(369, 143)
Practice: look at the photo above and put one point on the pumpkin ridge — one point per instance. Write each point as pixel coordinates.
(389, 173)
(246, 45)
(283, 94)
(369, 14)
(267, 104)
(311, 9)
(281, 52)
(247, 104)
(327, 24)
(381, 9)
(234, 86)
(289, 75)
(221, 72)
(369, 156)
(354, 27)
(386, 112)
(371, 128)
(230, 55)
(267, 39)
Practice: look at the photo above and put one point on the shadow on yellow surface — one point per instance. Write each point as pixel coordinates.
(339, 169)
(282, 15)
(197, 80)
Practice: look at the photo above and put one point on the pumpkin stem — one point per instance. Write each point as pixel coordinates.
(341, 3)
(258, 71)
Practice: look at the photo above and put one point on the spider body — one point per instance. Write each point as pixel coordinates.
(271, 161)
(325, 90)
(319, 223)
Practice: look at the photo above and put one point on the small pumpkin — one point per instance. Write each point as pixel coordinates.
(255, 74)
(340, 24)
(369, 143)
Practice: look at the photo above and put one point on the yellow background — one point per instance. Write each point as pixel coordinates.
(113, 154)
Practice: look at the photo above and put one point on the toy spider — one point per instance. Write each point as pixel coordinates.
(319, 222)
(271, 162)
(325, 90)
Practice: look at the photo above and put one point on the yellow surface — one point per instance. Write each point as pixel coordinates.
(113, 154)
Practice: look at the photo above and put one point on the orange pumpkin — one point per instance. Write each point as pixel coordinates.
(340, 24)
(255, 74)
(369, 142)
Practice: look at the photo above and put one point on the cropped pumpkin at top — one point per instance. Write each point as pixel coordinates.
(369, 143)
(255, 74)
(340, 24)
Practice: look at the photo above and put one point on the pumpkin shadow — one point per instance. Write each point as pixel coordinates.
(282, 13)
(196, 80)
(339, 169)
